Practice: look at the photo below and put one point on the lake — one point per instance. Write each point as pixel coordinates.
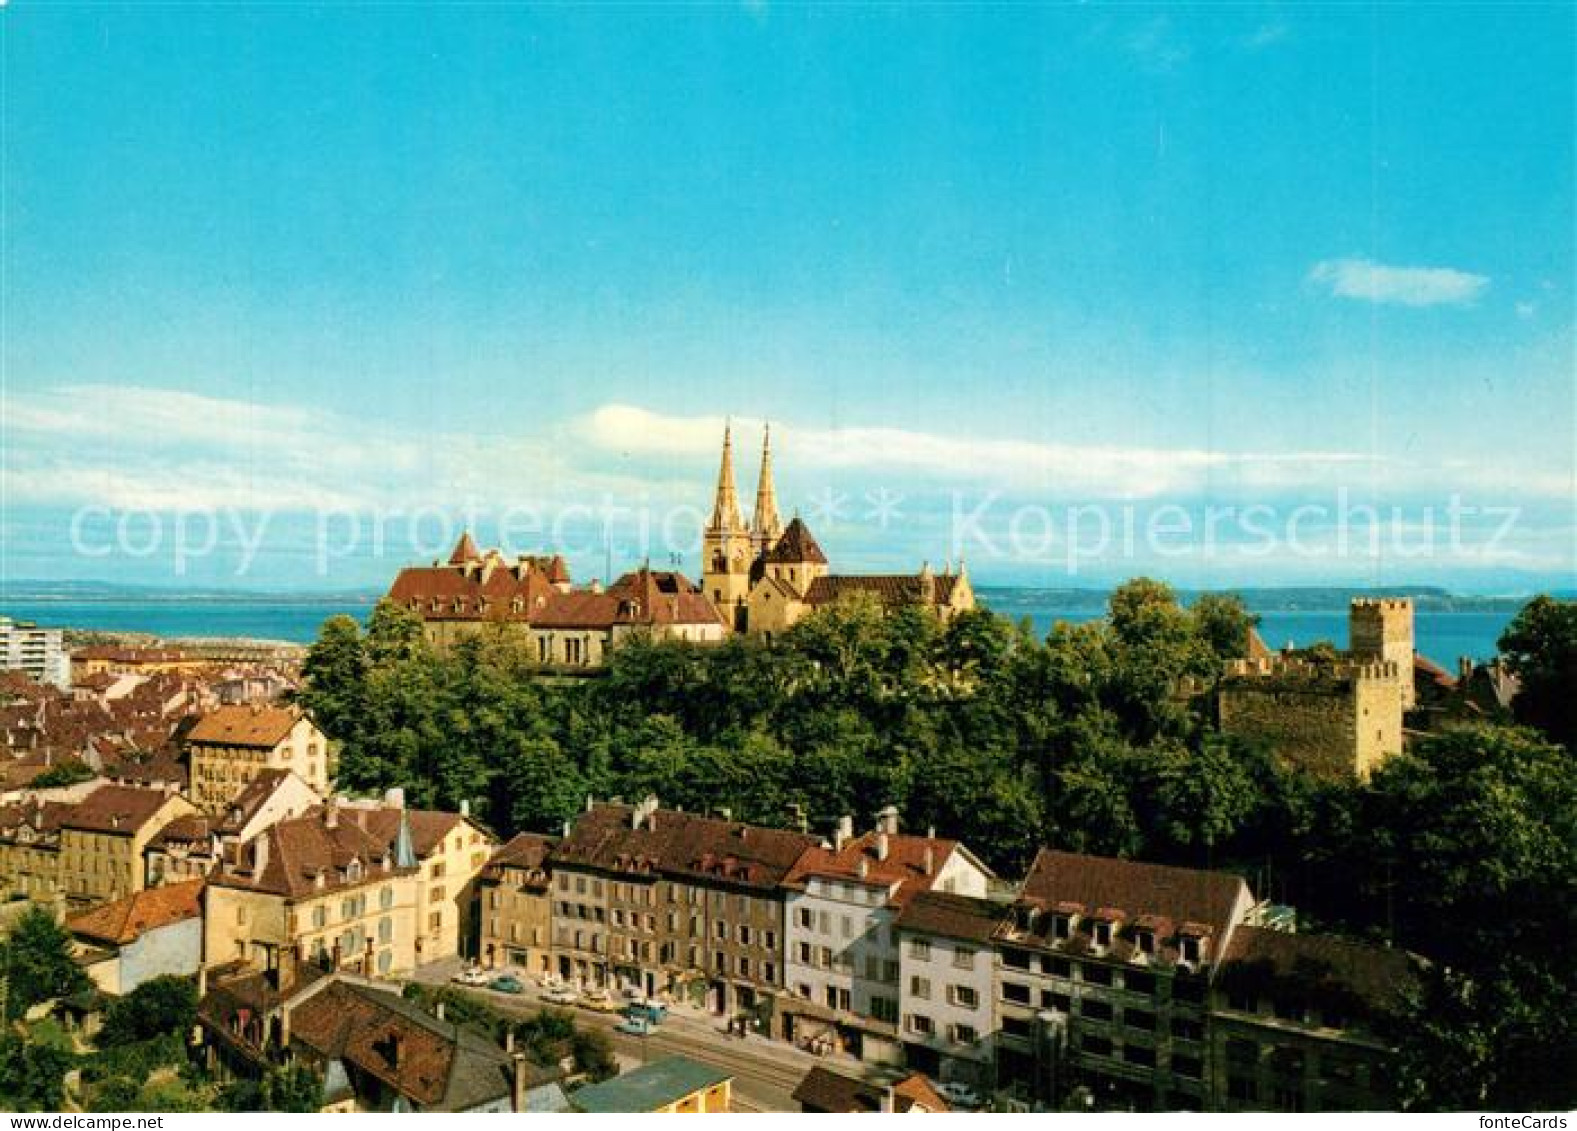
(1442, 635)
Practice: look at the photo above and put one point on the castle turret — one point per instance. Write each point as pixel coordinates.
(1381, 629)
(726, 546)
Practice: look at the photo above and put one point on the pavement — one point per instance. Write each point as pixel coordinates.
(766, 1072)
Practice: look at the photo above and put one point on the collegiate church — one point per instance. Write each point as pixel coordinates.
(763, 577)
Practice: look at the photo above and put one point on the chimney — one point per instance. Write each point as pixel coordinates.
(863, 867)
(394, 797)
(844, 833)
(887, 820)
(331, 813)
(517, 1061)
(881, 846)
(465, 807)
(728, 814)
(930, 859)
(1465, 668)
(439, 1009)
(509, 1035)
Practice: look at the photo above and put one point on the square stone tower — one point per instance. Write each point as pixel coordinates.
(1380, 629)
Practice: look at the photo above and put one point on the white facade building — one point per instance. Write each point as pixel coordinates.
(841, 961)
(40, 652)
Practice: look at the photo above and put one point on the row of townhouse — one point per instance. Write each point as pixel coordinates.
(368, 886)
(1134, 984)
(86, 849)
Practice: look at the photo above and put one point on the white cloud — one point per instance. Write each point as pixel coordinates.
(1406, 286)
(129, 447)
(1045, 468)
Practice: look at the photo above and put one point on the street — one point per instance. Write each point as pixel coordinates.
(766, 1072)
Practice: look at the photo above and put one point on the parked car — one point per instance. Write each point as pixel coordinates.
(563, 996)
(473, 976)
(506, 984)
(959, 1094)
(635, 1027)
(598, 1001)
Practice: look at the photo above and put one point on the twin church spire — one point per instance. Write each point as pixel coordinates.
(766, 524)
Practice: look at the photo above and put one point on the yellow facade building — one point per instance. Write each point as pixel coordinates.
(231, 746)
(102, 838)
(324, 889)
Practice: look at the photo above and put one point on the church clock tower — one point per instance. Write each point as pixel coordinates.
(727, 550)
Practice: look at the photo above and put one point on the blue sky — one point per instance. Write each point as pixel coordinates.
(272, 259)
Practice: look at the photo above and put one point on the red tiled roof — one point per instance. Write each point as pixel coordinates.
(904, 865)
(428, 827)
(490, 591)
(796, 544)
(1168, 901)
(1319, 965)
(119, 810)
(125, 920)
(300, 850)
(524, 850)
(823, 1090)
(643, 597)
(681, 844)
(245, 724)
(889, 589)
(952, 916)
(464, 550)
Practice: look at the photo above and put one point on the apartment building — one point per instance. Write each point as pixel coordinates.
(1104, 979)
(1296, 1023)
(231, 746)
(451, 850)
(842, 962)
(103, 837)
(691, 905)
(515, 906)
(192, 846)
(947, 986)
(317, 889)
(39, 652)
(30, 850)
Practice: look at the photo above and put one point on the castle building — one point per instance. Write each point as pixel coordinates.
(1340, 716)
(474, 590)
(764, 577)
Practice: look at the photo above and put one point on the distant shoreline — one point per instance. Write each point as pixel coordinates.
(1291, 598)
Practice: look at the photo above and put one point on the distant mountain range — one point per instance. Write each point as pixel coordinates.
(1003, 598)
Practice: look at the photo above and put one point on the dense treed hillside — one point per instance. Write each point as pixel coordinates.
(1464, 850)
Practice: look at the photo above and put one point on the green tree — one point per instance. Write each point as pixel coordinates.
(334, 684)
(166, 1004)
(36, 963)
(1223, 622)
(32, 1072)
(1540, 648)
(68, 771)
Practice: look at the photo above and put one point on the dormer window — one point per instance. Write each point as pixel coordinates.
(1103, 933)
(1144, 939)
(1189, 948)
(1062, 927)
(353, 870)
